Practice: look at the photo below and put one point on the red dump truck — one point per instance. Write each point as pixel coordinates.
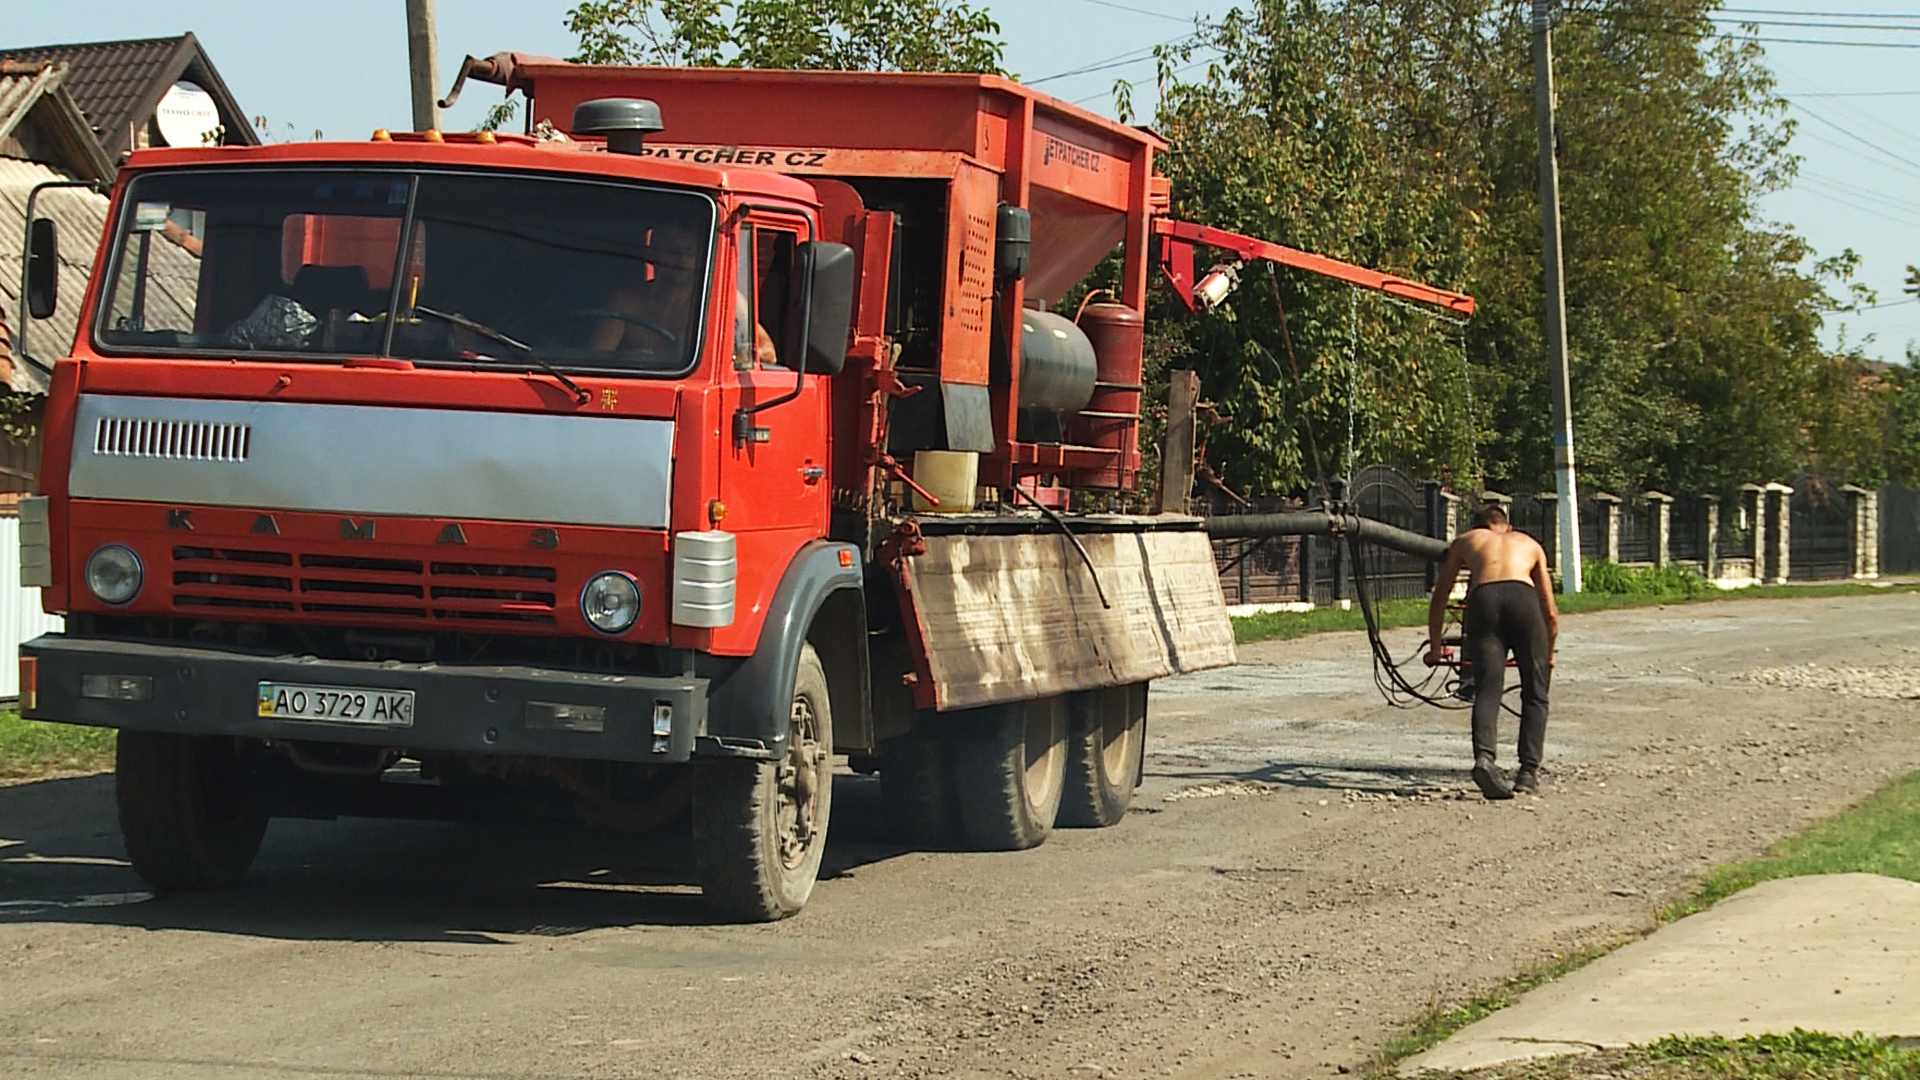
(719, 425)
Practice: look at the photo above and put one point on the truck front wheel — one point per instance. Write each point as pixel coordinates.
(189, 814)
(760, 827)
(1010, 763)
(1104, 752)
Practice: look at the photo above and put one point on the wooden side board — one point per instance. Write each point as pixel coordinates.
(1008, 618)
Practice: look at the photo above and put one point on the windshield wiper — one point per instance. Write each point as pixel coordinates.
(485, 331)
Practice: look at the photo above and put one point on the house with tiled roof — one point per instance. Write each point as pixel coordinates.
(69, 114)
(49, 158)
(121, 86)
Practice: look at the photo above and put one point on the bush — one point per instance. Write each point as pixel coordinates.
(1672, 580)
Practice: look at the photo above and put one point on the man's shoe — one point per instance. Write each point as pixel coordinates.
(1527, 780)
(1492, 785)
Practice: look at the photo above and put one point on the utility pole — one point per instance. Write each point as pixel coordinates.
(1568, 546)
(423, 61)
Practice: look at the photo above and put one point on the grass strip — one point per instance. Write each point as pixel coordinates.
(1797, 1055)
(1397, 614)
(1439, 1023)
(1879, 836)
(30, 748)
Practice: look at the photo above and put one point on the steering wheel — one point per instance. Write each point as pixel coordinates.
(591, 317)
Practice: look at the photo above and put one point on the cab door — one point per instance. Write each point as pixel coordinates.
(773, 471)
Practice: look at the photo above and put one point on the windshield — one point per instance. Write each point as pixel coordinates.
(446, 267)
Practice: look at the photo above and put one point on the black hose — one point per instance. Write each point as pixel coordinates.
(1322, 523)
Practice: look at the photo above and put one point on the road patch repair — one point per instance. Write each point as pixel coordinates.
(1835, 953)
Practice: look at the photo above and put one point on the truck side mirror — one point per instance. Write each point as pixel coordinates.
(43, 268)
(825, 277)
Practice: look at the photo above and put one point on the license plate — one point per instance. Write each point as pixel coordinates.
(337, 704)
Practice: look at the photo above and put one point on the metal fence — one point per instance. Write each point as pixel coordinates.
(1820, 544)
(1820, 519)
(1315, 569)
(1391, 496)
(1687, 530)
(1899, 530)
(1537, 517)
(1637, 534)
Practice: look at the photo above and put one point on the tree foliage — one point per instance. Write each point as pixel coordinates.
(1403, 137)
(848, 35)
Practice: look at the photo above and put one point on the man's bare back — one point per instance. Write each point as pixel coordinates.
(1493, 554)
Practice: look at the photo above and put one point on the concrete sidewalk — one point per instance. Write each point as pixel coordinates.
(1838, 953)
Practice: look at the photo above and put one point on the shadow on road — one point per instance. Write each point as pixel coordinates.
(356, 879)
(1364, 777)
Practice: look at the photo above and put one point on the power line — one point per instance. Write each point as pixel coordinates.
(1813, 25)
(1861, 93)
(1816, 41)
(1137, 11)
(1131, 56)
(1891, 202)
(1824, 14)
(1869, 143)
(1726, 35)
(1814, 188)
(1150, 78)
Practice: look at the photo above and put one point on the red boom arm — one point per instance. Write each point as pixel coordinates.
(1176, 259)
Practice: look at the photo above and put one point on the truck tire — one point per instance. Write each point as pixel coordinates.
(1009, 763)
(916, 785)
(1105, 748)
(760, 827)
(189, 813)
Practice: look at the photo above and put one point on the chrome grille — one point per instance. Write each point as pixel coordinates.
(178, 440)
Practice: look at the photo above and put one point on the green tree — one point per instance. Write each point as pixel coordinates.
(1403, 137)
(849, 35)
(1286, 137)
(1900, 388)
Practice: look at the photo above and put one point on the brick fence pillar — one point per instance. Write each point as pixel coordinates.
(1753, 514)
(1710, 552)
(1439, 505)
(1866, 530)
(1662, 514)
(1609, 525)
(1779, 533)
(1550, 526)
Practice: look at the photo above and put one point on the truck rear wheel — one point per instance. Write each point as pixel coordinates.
(760, 827)
(916, 784)
(1009, 764)
(189, 814)
(1104, 751)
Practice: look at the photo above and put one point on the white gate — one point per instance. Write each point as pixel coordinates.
(20, 616)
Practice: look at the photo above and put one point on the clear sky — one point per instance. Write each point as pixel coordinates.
(341, 67)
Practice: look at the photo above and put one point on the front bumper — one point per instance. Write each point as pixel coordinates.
(459, 708)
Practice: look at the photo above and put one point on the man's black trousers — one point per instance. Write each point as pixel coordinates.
(1503, 616)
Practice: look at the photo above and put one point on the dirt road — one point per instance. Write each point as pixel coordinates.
(1302, 873)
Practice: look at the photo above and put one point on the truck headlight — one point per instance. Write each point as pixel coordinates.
(115, 575)
(611, 602)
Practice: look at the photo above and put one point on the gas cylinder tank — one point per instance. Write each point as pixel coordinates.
(1057, 364)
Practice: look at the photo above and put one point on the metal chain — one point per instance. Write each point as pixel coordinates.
(1466, 374)
(1473, 432)
(1353, 371)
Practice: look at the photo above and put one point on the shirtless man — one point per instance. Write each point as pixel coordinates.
(1510, 606)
